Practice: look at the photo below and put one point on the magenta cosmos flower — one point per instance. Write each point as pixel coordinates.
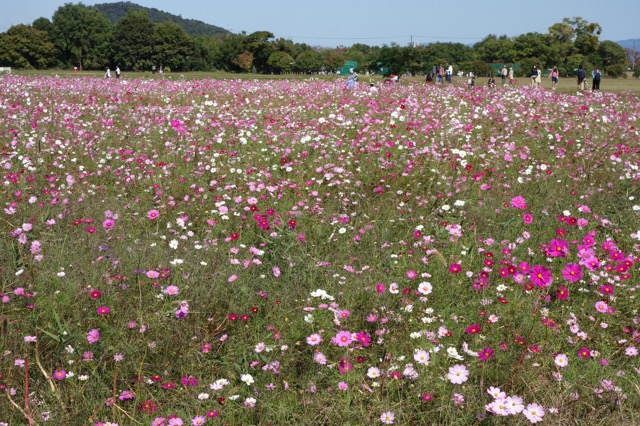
(572, 272)
(153, 214)
(518, 202)
(103, 310)
(558, 248)
(59, 374)
(540, 276)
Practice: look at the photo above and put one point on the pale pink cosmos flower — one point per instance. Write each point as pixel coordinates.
(458, 374)
(602, 307)
(534, 413)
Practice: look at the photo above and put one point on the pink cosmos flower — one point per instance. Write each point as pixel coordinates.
(152, 274)
(342, 338)
(93, 336)
(171, 290)
(527, 218)
(59, 374)
(602, 307)
(153, 214)
(314, 339)
(108, 224)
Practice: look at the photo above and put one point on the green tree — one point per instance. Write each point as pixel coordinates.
(23, 46)
(333, 59)
(587, 34)
(230, 46)
(43, 24)
(173, 47)
(280, 62)
(535, 46)
(258, 44)
(133, 42)
(81, 34)
(613, 58)
(494, 49)
(308, 61)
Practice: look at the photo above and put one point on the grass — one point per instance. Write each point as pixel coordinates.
(196, 248)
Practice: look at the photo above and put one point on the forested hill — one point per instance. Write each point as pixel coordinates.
(117, 11)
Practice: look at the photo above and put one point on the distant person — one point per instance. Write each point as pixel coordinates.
(596, 75)
(553, 75)
(449, 73)
(539, 76)
(472, 80)
(511, 75)
(429, 78)
(153, 69)
(117, 71)
(352, 79)
(107, 73)
(581, 76)
(534, 75)
(491, 83)
(440, 74)
(503, 74)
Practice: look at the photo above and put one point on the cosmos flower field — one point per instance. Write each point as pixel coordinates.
(278, 252)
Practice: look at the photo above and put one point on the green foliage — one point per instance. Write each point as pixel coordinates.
(260, 47)
(282, 62)
(308, 61)
(23, 46)
(613, 58)
(494, 49)
(133, 42)
(81, 34)
(172, 46)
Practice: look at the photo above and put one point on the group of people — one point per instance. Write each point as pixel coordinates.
(596, 76)
(107, 72)
(581, 77)
(440, 74)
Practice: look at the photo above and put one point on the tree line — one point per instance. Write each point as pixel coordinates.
(83, 37)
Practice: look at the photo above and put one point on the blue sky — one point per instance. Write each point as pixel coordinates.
(374, 22)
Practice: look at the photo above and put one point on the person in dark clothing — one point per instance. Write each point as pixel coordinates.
(596, 75)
